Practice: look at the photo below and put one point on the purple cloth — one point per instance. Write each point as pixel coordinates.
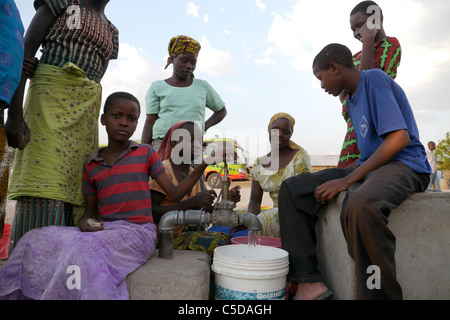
(62, 263)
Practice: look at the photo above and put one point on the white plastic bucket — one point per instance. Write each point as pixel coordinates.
(245, 272)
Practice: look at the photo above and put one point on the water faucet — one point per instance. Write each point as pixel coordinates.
(222, 215)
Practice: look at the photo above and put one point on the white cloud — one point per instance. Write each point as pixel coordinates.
(260, 5)
(206, 18)
(267, 57)
(131, 72)
(300, 34)
(214, 61)
(192, 9)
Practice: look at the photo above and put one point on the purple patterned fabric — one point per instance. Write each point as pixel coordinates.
(62, 263)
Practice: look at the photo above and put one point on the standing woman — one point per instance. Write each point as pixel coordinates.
(58, 126)
(181, 97)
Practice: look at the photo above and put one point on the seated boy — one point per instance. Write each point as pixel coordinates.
(392, 166)
(116, 234)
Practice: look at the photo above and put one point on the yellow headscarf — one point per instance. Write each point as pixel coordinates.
(181, 44)
(287, 116)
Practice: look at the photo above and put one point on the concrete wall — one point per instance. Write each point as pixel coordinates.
(184, 277)
(421, 225)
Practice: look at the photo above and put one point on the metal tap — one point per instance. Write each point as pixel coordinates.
(223, 215)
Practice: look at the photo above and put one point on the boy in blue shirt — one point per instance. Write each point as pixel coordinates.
(392, 166)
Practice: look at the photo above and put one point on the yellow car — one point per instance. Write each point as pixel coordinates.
(237, 172)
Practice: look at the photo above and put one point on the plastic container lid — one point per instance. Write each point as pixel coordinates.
(263, 241)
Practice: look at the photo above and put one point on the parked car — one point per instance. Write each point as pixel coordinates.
(238, 171)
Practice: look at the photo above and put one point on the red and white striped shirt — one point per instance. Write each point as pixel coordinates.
(122, 189)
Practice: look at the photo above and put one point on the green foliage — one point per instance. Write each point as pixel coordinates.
(443, 153)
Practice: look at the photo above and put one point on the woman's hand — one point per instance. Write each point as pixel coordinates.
(235, 194)
(204, 199)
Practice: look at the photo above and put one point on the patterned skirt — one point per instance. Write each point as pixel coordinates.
(61, 109)
(63, 263)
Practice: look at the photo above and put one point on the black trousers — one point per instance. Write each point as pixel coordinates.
(364, 219)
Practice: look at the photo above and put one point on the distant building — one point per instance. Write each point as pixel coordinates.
(324, 162)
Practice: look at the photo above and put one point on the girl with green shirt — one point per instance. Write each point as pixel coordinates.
(181, 97)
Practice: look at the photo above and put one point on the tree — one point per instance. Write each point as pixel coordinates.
(443, 153)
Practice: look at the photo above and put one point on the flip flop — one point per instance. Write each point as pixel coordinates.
(324, 296)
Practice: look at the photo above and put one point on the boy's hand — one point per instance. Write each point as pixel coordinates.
(367, 34)
(327, 191)
(90, 225)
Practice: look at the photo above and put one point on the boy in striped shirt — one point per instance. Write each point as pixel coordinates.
(116, 234)
(115, 178)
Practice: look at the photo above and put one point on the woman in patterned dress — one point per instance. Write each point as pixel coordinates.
(285, 160)
(58, 126)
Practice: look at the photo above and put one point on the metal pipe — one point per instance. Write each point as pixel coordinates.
(221, 217)
(178, 218)
(250, 221)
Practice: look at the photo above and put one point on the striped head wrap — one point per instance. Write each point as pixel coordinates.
(182, 44)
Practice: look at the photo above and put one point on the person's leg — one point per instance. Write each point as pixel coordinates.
(4, 169)
(432, 184)
(32, 213)
(298, 211)
(364, 220)
(437, 182)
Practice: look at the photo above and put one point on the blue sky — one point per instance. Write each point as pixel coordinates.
(257, 54)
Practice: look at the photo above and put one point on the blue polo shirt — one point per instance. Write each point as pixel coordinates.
(379, 107)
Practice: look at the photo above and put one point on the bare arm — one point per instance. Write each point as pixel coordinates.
(215, 118)
(367, 54)
(256, 195)
(391, 146)
(91, 212)
(147, 132)
(177, 192)
(17, 131)
(201, 200)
